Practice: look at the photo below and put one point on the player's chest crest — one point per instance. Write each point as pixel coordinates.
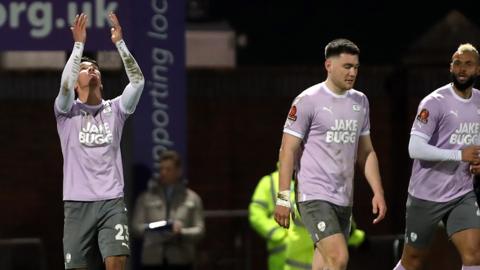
(107, 110)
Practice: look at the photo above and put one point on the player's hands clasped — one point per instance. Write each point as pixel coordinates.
(79, 28)
(471, 154)
(475, 168)
(116, 29)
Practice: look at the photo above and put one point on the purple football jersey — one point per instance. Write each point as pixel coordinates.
(446, 121)
(329, 126)
(90, 140)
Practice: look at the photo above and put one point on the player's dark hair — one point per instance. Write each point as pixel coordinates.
(90, 60)
(339, 46)
(173, 156)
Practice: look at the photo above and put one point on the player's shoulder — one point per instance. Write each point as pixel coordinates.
(311, 94)
(112, 104)
(438, 95)
(357, 94)
(476, 92)
(314, 90)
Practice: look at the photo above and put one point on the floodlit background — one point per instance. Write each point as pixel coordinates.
(231, 70)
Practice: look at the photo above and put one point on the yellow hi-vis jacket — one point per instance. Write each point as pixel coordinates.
(300, 246)
(261, 216)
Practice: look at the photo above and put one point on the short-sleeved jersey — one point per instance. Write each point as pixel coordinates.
(329, 126)
(90, 141)
(446, 121)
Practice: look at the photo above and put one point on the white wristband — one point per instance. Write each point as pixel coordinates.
(284, 195)
(283, 203)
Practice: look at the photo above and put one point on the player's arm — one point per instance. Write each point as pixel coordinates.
(132, 92)
(419, 148)
(66, 95)
(288, 151)
(368, 162)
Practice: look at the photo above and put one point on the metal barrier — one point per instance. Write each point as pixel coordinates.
(22, 254)
(230, 243)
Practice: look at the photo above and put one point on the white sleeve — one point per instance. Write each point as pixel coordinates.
(66, 95)
(418, 148)
(132, 92)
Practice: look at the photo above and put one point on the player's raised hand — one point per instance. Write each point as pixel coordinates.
(79, 28)
(116, 29)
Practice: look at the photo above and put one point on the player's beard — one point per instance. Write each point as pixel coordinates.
(465, 85)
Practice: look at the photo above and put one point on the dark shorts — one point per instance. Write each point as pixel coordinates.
(323, 219)
(423, 217)
(94, 231)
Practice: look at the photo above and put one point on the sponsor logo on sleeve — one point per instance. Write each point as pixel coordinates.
(292, 114)
(423, 116)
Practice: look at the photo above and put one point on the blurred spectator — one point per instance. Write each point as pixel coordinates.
(169, 218)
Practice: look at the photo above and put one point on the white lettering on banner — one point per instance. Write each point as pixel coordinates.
(159, 22)
(38, 16)
(42, 23)
(158, 83)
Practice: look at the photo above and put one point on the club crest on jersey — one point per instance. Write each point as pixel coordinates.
(107, 110)
(292, 114)
(356, 107)
(423, 116)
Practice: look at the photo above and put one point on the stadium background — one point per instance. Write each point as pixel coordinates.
(233, 119)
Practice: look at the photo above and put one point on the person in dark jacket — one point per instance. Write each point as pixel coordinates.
(169, 217)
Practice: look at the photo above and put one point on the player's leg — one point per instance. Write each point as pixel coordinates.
(79, 235)
(325, 222)
(113, 235)
(334, 251)
(463, 226)
(318, 262)
(422, 221)
(412, 258)
(116, 262)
